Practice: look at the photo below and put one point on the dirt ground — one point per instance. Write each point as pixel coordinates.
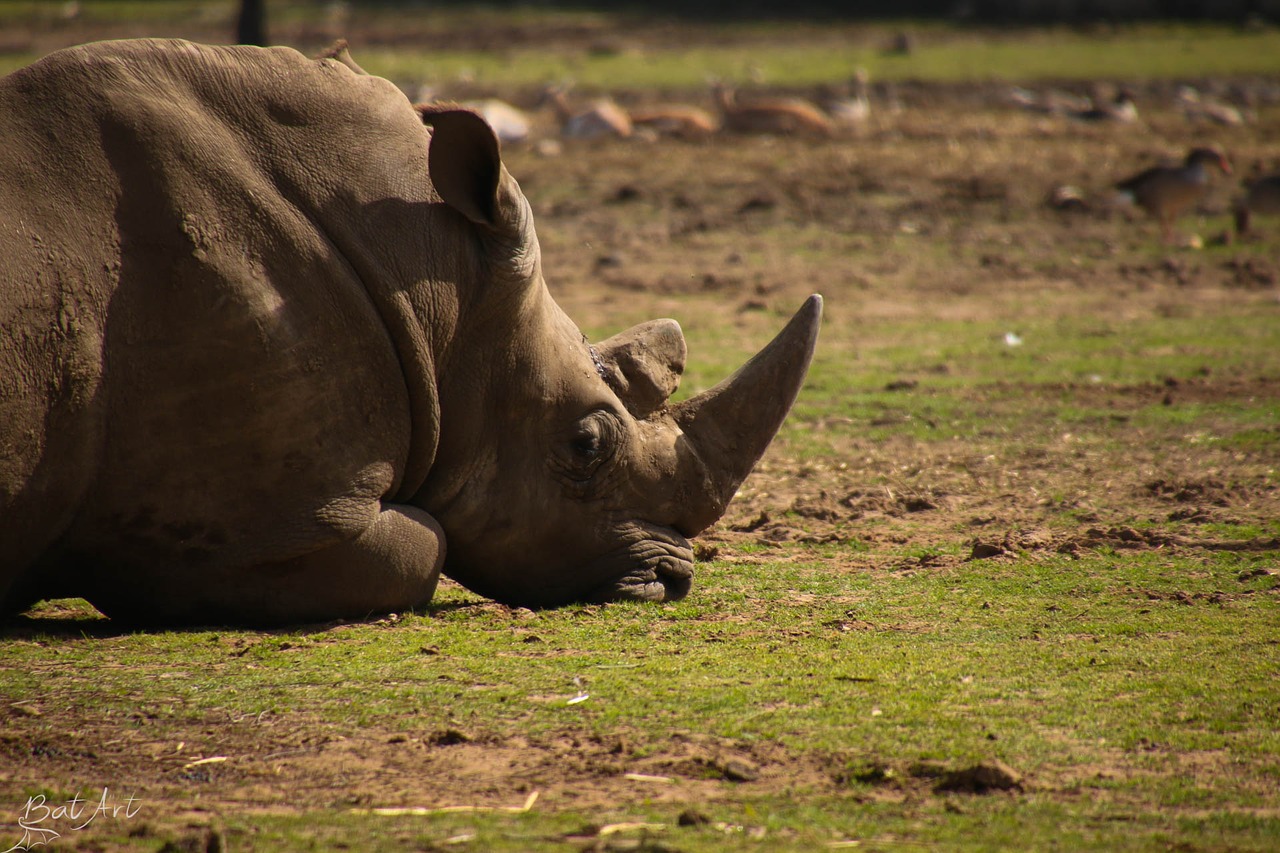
(936, 207)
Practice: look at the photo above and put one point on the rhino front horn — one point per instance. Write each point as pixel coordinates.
(729, 426)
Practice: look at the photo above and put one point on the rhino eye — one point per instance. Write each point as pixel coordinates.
(590, 445)
(587, 446)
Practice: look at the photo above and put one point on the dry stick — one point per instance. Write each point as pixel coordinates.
(215, 759)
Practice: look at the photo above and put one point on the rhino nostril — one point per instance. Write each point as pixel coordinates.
(675, 568)
(675, 584)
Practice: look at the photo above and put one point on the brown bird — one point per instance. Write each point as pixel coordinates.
(1166, 192)
(848, 106)
(1261, 196)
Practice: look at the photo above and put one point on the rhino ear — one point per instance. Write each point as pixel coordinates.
(643, 364)
(464, 162)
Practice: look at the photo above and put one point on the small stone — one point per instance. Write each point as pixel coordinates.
(985, 551)
(739, 770)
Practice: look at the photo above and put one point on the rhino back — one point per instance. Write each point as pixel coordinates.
(215, 362)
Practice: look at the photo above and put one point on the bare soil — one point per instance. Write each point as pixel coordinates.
(640, 228)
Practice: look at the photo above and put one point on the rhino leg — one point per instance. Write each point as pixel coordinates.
(393, 565)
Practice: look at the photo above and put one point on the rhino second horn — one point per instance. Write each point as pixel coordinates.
(643, 364)
(730, 426)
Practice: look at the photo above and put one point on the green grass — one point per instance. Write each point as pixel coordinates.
(1087, 675)
(1068, 373)
(793, 54)
(1146, 53)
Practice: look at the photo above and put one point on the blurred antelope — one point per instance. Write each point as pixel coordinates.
(1198, 108)
(1118, 108)
(603, 118)
(769, 115)
(679, 120)
(1053, 102)
(509, 124)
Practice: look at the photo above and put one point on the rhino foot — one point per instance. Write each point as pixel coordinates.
(394, 565)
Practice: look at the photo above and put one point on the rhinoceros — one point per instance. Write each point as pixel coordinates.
(272, 338)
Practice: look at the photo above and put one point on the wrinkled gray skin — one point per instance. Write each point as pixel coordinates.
(270, 342)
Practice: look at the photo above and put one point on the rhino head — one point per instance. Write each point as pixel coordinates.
(563, 471)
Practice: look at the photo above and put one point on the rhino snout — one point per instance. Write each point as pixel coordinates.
(658, 567)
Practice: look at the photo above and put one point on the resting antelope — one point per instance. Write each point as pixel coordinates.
(1120, 108)
(769, 115)
(1198, 108)
(603, 118)
(509, 124)
(680, 120)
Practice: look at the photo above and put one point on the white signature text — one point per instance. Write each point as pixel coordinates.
(41, 822)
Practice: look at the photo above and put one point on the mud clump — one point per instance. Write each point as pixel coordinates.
(983, 778)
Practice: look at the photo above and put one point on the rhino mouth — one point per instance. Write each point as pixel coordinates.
(657, 567)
